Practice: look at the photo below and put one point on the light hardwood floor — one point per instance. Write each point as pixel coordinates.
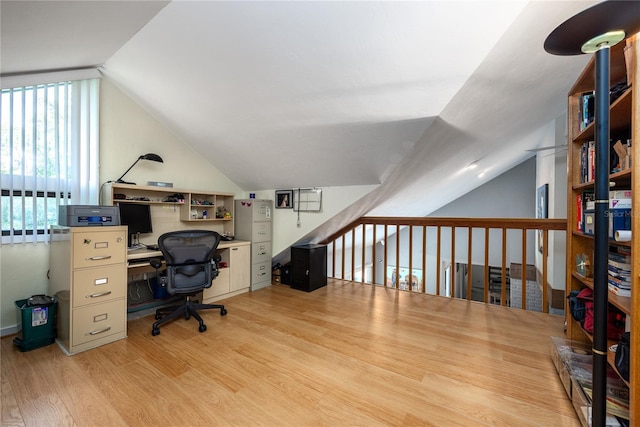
(344, 355)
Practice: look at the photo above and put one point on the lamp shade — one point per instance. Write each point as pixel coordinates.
(609, 17)
(149, 156)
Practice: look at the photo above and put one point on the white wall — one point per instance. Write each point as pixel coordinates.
(334, 200)
(551, 168)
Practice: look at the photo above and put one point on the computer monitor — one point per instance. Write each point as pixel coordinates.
(137, 217)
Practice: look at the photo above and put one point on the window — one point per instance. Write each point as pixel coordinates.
(48, 155)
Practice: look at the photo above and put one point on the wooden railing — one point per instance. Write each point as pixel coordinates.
(422, 246)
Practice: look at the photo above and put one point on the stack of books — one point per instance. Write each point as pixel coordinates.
(620, 272)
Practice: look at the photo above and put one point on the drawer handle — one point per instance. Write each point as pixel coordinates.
(234, 249)
(108, 328)
(99, 294)
(98, 258)
(261, 274)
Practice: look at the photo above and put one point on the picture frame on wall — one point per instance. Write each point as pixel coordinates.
(284, 199)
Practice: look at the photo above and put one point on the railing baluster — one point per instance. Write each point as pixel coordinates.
(333, 258)
(453, 261)
(410, 258)
(424, 259)
(524, 269)
(503, 279)
(397, 284)
(364, 245)
(344, 238)
(438, 260)
(386, 259)
(353, 254)
(374, 255)
(486, 265)
(545, 246)
(469, 261)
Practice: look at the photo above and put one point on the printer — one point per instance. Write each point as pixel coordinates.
(86, 215)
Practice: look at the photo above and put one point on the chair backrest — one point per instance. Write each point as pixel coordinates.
(188, 254)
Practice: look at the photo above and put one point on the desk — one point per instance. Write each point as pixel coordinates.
(232, 279)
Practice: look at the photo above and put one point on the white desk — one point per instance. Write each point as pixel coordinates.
(233, 275)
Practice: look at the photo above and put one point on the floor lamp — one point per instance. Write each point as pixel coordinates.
(595, 30)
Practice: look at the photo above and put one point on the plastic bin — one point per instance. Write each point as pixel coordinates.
(36, 322)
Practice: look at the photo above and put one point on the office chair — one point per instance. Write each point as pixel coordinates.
(191, 265)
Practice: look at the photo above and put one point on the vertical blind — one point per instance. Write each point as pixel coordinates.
(48, 155)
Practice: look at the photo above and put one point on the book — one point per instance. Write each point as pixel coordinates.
(619, 284)
(624, 293)
(619, 265)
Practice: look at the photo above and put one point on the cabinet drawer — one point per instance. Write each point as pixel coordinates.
(93, 285)
(98, 321)
(260, 272)
(93, 249)
(260, 252)
(261, 232)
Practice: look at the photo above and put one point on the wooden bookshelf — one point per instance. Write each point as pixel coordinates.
(624, 123)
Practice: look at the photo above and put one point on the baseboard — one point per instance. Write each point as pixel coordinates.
(11, 330)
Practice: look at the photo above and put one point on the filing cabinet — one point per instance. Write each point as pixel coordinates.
(88, 276)
(253, 222)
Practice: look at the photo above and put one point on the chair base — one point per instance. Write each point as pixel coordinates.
(187, 309)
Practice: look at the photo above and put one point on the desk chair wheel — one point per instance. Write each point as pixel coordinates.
(223, 312)
(202, 328)
(155, 331)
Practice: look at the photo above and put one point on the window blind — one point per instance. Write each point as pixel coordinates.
(48, 154)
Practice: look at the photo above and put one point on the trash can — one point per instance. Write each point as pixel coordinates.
(36, 322)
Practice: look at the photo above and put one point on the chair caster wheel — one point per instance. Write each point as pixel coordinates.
(158, 316)
(223, 312)
(202, 328)
(155, 332)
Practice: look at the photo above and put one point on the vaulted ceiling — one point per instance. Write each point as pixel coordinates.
(401, 94)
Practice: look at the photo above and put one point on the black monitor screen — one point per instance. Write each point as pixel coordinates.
(137, 217)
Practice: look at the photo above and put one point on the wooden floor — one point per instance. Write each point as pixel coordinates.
(344, 355)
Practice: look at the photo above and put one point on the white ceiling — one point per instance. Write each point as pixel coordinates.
(316, 94)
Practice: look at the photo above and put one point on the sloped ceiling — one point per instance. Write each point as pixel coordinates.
(315, 94)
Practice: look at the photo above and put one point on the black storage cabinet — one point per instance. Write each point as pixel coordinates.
(308, 267)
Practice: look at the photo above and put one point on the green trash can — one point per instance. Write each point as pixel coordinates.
(36, 322)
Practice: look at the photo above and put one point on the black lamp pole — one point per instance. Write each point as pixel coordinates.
(595, 30)
(601, 237)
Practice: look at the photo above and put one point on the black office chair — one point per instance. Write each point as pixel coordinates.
(191, 266)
